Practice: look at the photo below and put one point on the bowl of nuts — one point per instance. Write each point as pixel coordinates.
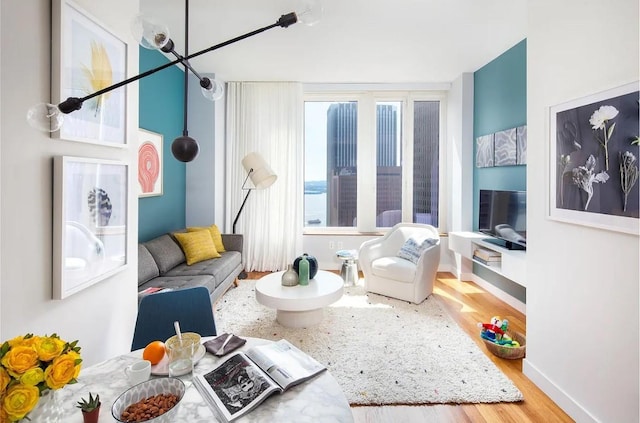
(155, 400)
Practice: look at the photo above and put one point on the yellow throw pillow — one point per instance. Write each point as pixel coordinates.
(197, 246)
(215, 235)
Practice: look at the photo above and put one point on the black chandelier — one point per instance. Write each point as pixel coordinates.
(152, 34)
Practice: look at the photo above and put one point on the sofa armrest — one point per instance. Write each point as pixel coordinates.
(233, 242)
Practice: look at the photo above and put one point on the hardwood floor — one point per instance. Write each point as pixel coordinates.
(469, 304)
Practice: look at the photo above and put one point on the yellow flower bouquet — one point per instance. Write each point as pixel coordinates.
(31, 365)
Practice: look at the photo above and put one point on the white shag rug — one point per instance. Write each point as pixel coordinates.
(382, 351)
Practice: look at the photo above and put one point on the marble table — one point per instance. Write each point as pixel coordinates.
(299, 306)
(317, 400)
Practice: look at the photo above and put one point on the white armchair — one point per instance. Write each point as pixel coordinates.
(388, 274)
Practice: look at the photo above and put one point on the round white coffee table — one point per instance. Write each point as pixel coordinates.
(299, 306)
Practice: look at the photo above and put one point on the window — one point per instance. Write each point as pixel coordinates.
(371, 160)
(426, 163)
(388, 163)
(330, 183)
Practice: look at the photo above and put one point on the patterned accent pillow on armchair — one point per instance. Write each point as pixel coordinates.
(412, 249)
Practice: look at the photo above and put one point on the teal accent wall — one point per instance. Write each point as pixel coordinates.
(161, 111)
(500, 102)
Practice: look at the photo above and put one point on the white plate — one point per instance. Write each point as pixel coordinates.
(162, 368)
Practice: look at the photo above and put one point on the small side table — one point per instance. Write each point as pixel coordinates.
(349, 269)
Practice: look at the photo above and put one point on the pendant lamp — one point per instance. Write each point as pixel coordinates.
(151, 33)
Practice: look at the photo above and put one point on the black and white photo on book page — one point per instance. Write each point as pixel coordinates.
(245, 379)
(237, 383)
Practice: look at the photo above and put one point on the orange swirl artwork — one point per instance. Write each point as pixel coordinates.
(150, 166)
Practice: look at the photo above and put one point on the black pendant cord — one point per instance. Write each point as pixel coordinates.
(185, 132)
(185, 148)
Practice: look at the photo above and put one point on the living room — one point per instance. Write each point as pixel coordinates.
(590, 378)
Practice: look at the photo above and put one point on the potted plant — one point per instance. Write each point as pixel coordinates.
(90, 409)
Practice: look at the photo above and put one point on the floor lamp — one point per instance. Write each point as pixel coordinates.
(261, 176)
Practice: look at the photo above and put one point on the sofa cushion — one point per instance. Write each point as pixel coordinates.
(166, 252)
(215, 235)
(178, 282)
(147, 267)
(395, 268)
(197, 246)
(218, 268)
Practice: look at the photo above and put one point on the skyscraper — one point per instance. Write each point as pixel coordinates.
(342, 148)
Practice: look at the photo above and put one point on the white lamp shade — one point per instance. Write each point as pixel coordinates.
(262, 175)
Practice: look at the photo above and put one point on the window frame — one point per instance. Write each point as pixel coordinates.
(366, 101)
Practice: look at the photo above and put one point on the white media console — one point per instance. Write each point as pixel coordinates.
(512, 265)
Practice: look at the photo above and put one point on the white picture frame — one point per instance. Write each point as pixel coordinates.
(577, 155)
(150, 164)
(90, 217)
(87, 57)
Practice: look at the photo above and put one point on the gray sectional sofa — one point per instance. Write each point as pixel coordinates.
(162, 264)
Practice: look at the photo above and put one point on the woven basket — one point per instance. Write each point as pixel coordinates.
(511, 353)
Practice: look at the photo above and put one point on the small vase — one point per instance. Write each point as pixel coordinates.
(290, 277)
(313, 264)
(303, 271)
(91, 416)
(48, 409)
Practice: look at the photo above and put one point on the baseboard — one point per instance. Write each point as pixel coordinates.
(560, 397)
(446, 268)
(496, 292)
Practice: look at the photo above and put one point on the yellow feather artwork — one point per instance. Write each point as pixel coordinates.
(100, 75)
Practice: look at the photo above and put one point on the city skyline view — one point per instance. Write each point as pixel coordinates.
(331, 163)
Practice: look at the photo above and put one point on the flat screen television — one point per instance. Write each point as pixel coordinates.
(503, 215)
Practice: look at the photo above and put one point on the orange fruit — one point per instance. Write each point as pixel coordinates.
(154, 352)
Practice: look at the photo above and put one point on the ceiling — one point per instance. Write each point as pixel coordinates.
(357, 41)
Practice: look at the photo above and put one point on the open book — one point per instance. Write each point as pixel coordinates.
(245, 379)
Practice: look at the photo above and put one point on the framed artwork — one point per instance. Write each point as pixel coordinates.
(593, 160)
(504, 146)
(149, 163)
(90, 222)
(521, 145)
(484, 151)
(87, 57)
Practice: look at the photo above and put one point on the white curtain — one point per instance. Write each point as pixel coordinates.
(266, 118)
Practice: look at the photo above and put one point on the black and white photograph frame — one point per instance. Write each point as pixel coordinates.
(87, 57)
(90, 216)
(593, 160)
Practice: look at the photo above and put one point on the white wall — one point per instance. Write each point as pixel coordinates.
(100, 317)
(460, 160)
(582, 294)
(200, 174)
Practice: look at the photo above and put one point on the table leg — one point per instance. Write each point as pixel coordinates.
(299, 319)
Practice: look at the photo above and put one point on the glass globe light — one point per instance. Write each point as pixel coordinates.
(309, 12)
(212, 89)
(45, 117)
(185, 148)
(149, 32)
